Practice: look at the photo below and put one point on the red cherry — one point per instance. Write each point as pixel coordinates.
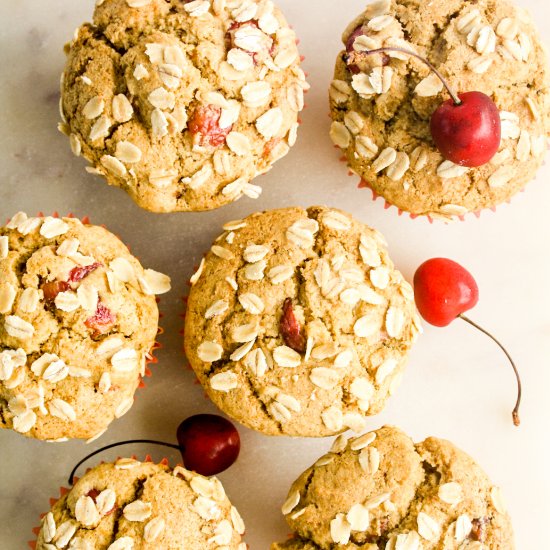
(466, 129)
(443, 290)
(469, 133)
(209, 444)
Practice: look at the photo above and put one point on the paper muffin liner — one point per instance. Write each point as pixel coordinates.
(186, 363)
(183, 314)
(64, 490)
(150, 358)
(363, 184)
(387, 205)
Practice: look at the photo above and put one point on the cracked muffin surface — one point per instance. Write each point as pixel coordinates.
(381, 490)
(78, 318)
(381, 105)
(298, 323)
(132, 505)
(182, 104)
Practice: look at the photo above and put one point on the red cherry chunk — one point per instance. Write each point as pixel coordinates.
(443, 290)
(102, 320)
(204, 124)
(270, 146)
(291, 329)
(479, 529)
(78, 273)
(209, 444)
(53, 288)
(268, 42)
(353, 36)
(467, 134)
(93, 494)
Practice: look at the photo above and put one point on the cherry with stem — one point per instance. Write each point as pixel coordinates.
(208, 443)
(465, 129)
(443, 291)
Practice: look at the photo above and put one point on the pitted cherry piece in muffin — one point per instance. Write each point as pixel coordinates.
(182, 104)
(143, 506)
(298, 323)
(380, 490)
(382, 104)
(78, 318)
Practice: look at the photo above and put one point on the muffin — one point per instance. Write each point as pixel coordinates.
(381, 105)
(78, 318)
(182, 104)
(298, 323)
(381, 490)
(141, 505)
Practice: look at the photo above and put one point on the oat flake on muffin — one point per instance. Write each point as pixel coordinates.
(298, 323)
(182, 104)
(381, 104)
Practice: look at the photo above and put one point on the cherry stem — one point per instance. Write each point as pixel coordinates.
(452, 93)
(515, 412)
(112, 445)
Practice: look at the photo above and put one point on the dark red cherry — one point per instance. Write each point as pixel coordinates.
(209, 443)
(443, 290)
(469, 133)
(466, 129)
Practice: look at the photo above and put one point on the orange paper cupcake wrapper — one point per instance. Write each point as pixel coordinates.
(363, 184)
(85, 220)
(150, 358)
(187, 364)
(387, 205)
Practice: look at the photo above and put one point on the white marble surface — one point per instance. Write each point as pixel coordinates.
(458, 384)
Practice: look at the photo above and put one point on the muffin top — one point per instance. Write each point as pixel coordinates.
(380, 490)
(382, 104)
(182, 104)
(78, 318)
(131, 505)
(298, 323)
